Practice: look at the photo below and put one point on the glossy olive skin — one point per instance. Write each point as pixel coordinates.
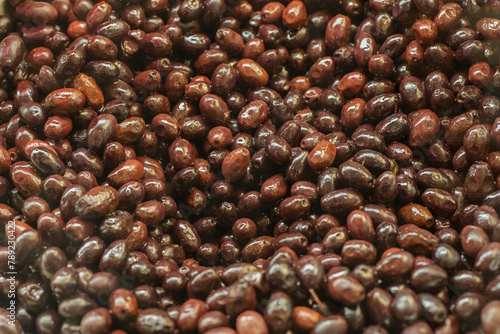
(101, 130)
(235, 164)
(66, 101)
(342, 201)
(12, 49)
(98, 202)
(250, 166)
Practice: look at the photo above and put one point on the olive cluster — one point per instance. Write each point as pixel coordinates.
(250, 166)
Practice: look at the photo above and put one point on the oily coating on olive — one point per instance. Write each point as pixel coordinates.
(222, 166)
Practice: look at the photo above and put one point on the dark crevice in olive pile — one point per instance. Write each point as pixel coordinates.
(247, 166)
